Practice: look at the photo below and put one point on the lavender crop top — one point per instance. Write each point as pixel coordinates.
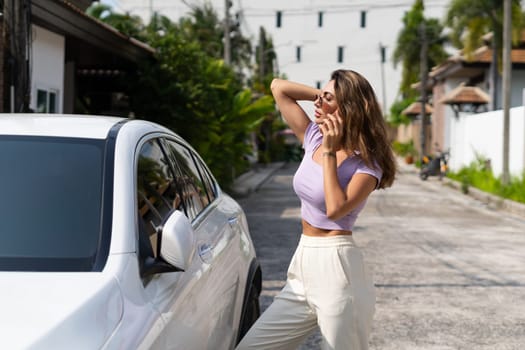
(308, 184)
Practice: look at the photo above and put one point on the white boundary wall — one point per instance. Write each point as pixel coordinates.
(483, 134)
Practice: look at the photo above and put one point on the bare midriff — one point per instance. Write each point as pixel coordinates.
(310, 230)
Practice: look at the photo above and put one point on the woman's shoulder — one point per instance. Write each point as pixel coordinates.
(372, 167)
(312, 136)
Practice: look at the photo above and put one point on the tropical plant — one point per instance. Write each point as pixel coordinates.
(470, 20)
(126, 23)
(396, 116)
(204, 26)
(270, 146)
(408, 47)
(190, 89)
(405, 149)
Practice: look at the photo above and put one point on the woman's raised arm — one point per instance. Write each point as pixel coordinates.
(286, 94)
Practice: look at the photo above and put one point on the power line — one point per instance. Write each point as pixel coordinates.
(365, 6)
(261, 12)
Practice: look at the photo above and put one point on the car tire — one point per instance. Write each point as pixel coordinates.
(252, 310)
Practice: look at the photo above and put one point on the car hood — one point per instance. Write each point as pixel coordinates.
(58, 310)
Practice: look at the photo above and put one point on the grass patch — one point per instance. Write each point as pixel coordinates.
(480, 176)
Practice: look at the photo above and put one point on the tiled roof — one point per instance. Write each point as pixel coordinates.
(107, 27)
(482, 55)
(466, 94)
(415, 109)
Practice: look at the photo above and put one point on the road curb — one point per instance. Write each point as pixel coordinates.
(250, 181)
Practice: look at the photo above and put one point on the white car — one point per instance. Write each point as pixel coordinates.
(115, 235)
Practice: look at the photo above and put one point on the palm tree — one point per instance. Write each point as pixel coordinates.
(127, 24)
(408, 47)
(470, 20)
(204, 25)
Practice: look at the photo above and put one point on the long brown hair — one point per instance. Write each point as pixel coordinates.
(364, 126)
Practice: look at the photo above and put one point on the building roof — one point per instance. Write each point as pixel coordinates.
(63, 17)
(468, 66)
(466, 94)
(415, 109)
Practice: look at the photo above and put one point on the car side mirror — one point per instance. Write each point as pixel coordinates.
(177, 241)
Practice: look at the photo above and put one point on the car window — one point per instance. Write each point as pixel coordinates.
(209, 183)
(51, 207)
(157, 195)
(194, 193)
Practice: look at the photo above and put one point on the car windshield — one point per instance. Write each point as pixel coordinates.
(51, 202)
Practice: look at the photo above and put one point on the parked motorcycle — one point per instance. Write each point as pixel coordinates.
(434, 166)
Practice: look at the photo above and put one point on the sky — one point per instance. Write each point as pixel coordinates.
(112, 3)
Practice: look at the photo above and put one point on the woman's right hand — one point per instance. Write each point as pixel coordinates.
(332, 130)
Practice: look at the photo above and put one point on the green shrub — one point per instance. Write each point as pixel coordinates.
(404, 148)
(396, 116)
(479, 175)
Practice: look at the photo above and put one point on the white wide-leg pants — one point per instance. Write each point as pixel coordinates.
(328, 286)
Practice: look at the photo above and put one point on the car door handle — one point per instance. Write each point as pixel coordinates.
(205, 252)
(205, 248)
(233, 220)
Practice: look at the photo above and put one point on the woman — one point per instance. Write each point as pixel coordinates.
(347, 156)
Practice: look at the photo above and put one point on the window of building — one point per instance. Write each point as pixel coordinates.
(318, 84)
(363, 19)
(46, 101)
(340, 52)
(298, 53)
(279, 19)
(320, 19)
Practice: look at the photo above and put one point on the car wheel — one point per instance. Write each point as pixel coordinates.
(252, 310)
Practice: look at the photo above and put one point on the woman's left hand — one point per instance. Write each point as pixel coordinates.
(332, 130)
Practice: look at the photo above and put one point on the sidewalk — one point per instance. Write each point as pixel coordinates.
(253, 179)
(491, 201)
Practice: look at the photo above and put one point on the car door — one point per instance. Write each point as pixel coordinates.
(175, 295)
(218, 247)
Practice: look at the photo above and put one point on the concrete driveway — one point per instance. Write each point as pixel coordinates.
(449, 272)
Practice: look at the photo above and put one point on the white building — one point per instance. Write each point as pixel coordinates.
(314, 37)
(47, 83)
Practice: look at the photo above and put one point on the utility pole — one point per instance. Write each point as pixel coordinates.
(227, 39)
(423, 69)
(382, 51)
(17, 28)
(507, 64)
(262, 48)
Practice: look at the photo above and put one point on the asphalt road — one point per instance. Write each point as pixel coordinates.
(449, 272)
